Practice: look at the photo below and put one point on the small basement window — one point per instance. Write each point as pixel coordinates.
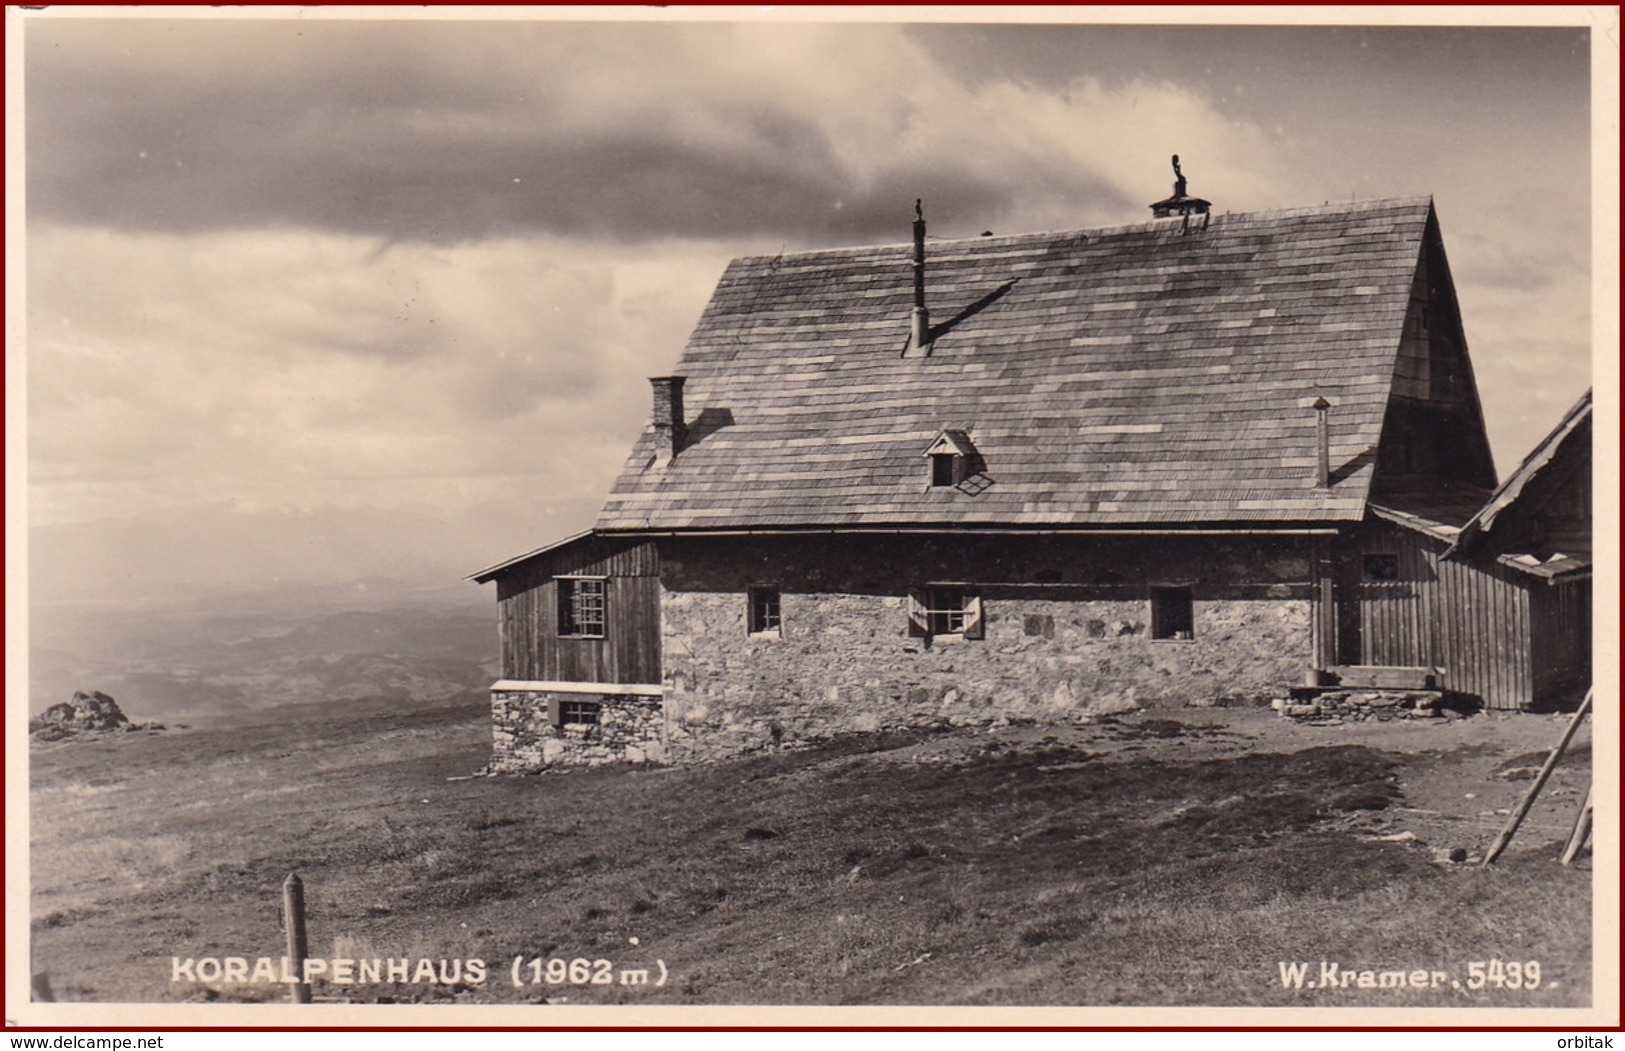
(1171, 613)
(1382, 567)
(583, 606)
(563, 712)
(765, 618)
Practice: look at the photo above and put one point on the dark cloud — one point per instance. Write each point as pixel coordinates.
(1497, 61)
(189, 126)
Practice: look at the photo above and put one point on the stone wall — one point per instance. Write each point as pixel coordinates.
(1067, 633)
(523, 737)
(1334, 707)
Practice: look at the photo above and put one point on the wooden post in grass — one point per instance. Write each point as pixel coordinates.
(293, 920)
(1518, 815)
(1582, 830)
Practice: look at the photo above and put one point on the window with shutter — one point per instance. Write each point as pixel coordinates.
(973, 616)
(943, 611)
(947, 612)
(918, 625)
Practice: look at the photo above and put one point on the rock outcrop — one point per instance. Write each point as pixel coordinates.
(93, 712)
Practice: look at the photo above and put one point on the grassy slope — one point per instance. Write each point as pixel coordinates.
(1136, 870)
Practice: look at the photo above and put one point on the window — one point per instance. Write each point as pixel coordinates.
(582, 606)
(1171, 614)
(1382, 567)
(945, 611)
(950, 455)
(764, 612)
(946, 614)
(564, 712)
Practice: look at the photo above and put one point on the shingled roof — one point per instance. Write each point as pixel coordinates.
(1137, 375)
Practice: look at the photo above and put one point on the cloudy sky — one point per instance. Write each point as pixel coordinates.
(351, 296)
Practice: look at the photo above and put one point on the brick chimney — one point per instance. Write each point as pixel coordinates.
(670, 431)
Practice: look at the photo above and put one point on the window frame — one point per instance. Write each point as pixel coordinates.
(756, 618)
(931, 617)
(574, 711)
(1391, 559)
(945, 610)
(568, 606)
(1176, 628)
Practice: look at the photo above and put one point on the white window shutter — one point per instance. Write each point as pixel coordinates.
(919, 624)
(973, 616)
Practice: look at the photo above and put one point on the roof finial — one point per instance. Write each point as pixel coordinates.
(919, 210)
(1181, 203)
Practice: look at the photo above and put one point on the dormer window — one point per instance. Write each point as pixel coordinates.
(950, 457)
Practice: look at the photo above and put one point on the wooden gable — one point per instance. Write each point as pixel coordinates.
(537, 647)
(1433, 426)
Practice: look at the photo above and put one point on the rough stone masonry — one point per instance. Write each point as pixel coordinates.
(1068, 637)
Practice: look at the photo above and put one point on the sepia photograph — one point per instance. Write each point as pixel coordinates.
(935, 516)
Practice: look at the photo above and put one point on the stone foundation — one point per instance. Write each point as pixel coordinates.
(524, 737)
(1337, 706)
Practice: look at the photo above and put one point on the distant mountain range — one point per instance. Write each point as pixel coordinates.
(200, 654)
(180, 551)
(206, 611)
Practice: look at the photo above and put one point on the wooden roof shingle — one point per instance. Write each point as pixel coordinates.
(1133, 375)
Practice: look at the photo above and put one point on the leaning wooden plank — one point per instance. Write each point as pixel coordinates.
(1518, 815)
(1582, 830)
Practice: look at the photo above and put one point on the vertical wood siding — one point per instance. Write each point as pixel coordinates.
(1561, 622)
(1472, 619)
(1323, 621)
(1395, 616)
(527, 601)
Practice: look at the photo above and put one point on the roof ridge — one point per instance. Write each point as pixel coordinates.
(1268, 215)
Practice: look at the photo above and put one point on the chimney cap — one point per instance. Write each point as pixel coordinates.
(1320, 404)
